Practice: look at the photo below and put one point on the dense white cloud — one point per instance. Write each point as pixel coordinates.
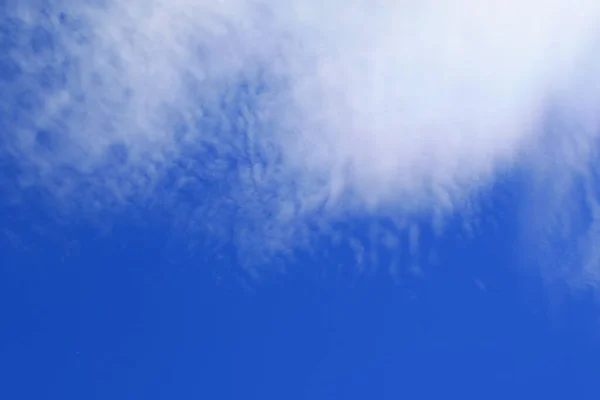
(276, 111)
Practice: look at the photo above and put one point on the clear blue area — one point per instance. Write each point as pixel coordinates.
(119, 315)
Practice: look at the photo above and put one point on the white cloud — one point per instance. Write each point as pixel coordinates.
(273, 111)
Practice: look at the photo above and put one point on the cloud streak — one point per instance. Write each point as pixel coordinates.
(285, 114)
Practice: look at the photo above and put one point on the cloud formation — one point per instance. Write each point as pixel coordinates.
(283, 114)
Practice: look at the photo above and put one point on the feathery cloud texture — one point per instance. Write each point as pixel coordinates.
(276, 113)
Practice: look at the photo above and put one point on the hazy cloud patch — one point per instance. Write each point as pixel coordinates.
(283, 117)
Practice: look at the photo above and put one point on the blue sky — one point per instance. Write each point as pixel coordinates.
(299, 200)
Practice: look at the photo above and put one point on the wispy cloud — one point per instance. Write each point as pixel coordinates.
(283, 114)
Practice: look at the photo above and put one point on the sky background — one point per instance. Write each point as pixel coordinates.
(296, 200)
